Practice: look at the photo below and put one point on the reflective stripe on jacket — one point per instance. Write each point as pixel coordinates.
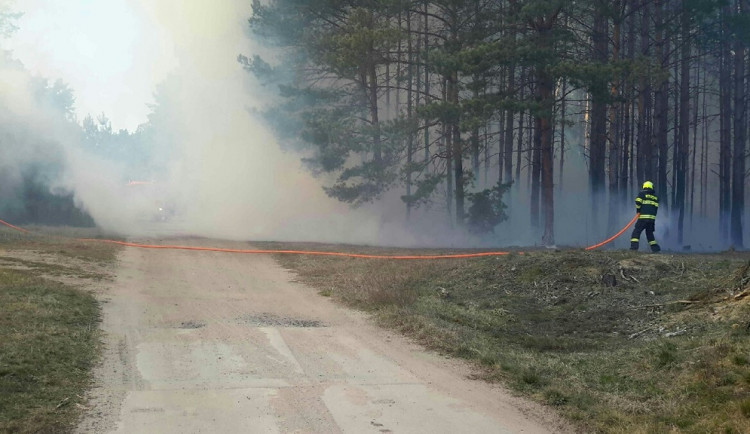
(647, 204)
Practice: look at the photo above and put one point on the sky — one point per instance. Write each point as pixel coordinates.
(111, 53)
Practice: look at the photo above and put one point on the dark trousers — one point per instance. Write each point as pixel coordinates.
(640, 225)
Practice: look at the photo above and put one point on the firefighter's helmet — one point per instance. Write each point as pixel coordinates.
(648, 185)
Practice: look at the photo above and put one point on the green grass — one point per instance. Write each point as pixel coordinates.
(49, 336)
(48, 342)
(547, 325)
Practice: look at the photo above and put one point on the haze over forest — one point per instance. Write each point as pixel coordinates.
(471, 123)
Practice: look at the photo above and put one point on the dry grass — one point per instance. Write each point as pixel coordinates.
(60, 241)
(662, 350)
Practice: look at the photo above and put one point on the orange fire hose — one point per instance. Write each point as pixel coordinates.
(615, 235)
(297, 252)
(305, 252)
(14, 227)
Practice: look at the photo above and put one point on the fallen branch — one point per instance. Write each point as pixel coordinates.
(622, 273)
(675, 333)
(665, 304)
(636, 334)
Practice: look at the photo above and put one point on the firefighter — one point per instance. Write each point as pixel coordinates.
(647, 204)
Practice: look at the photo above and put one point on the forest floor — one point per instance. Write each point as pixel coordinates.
(615, 341)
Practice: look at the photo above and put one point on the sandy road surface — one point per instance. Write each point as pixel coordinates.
(217, 342)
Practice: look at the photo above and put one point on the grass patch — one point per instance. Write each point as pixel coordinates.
(63, 242)
(49, 336)
(48, 342)
(745, 408)
(662, 349)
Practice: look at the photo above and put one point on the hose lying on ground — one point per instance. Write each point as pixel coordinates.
(306, 252)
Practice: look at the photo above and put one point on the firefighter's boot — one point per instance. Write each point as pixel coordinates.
(654, 247)
(634, 243)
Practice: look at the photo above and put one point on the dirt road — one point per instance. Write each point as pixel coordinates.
(217, 342)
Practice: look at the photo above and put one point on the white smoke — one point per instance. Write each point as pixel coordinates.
(218, 170)
(221, 172)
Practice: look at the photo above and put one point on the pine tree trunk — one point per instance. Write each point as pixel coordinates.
(501, 154)
(426, 79)
(542, 163)
(409, 110)
(704, 150)
(661, 107)
(530, 146)
(563, 118)
(691, 210)
(544, 125)
(645, 168)
(447, 144)
(598, 143)
(457, 145)
(725, 134)
(458, 170)
(740, 134)
(509, 123)
(508, 160)
(486, 134)
(675, 134)
(615, 136)
(535, 171)
(474, 140)
(684, 127)
(458, 167)
(374, 117)
(626, 173)
(521, 115)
